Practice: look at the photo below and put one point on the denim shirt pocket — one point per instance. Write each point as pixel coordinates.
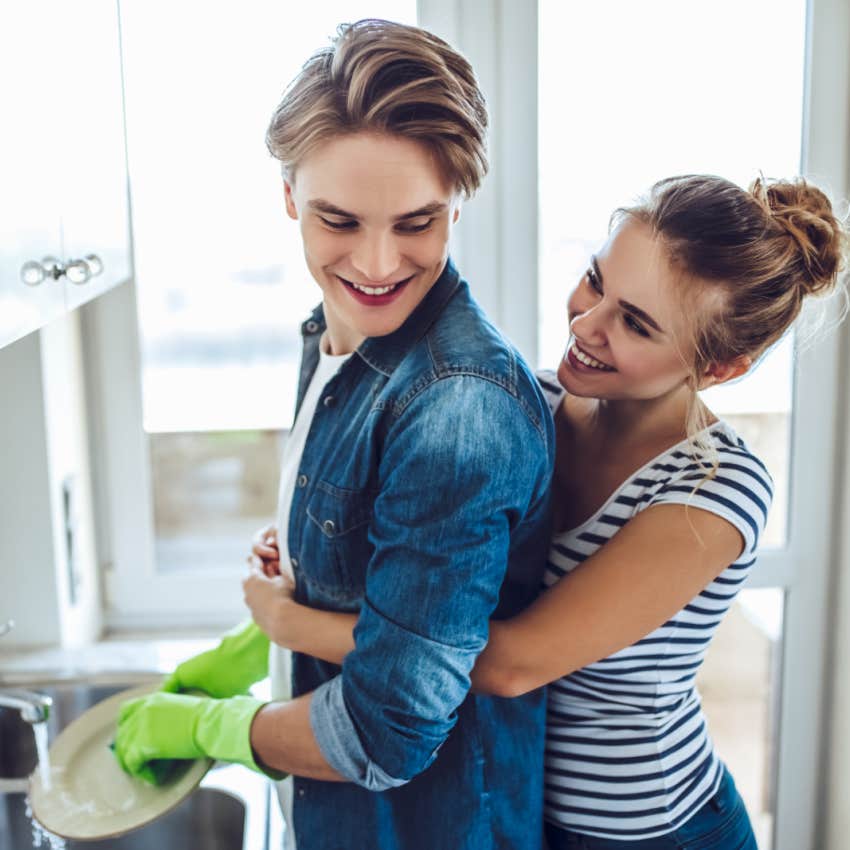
(336, 542)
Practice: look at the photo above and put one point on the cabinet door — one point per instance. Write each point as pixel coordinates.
(30, 150)
(94, 208)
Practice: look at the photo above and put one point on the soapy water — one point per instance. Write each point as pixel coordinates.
(40, 835)
(40, 732)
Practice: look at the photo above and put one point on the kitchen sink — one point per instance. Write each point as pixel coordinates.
(230, 811)
(209, 818)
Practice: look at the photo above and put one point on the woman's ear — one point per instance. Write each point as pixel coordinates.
(291, 209)
(720, 373)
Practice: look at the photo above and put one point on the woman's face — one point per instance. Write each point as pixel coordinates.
(375, 216)
(629, 336)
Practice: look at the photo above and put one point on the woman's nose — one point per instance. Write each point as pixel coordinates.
(590, 326)
(376, 257)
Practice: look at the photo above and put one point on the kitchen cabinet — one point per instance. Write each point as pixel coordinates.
(64, 217)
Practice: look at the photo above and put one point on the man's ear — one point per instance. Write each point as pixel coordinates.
(291, 209)
(456, 214)
(720, 373)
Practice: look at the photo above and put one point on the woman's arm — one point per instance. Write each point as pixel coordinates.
(649, 570)
(322, 634)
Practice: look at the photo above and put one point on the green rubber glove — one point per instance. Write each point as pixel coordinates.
(162, 727)
(240, 659)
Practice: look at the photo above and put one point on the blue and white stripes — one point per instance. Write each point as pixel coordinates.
(628, 755)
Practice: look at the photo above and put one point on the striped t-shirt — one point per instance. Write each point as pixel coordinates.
(628, 755)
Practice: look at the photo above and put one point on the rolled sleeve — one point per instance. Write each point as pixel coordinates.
(339, 742)
(453, 488)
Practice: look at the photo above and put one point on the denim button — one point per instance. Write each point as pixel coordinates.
(328, 527)
(302, 480)
(329, 401)
(311, 327)
(294, 563)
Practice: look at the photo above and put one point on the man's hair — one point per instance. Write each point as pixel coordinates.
(384, 77)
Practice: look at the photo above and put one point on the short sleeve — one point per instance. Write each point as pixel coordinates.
(553, 392)
(740, 491)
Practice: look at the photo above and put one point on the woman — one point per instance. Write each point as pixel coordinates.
(658, 504)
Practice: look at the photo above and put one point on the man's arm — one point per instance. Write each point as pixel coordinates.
(461, 467)
(282, 739)
(452, 489)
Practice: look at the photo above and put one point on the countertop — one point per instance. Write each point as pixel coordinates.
(124, 658)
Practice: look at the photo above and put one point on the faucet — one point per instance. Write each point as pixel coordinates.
(34, 707)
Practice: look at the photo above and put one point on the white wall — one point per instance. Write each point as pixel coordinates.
(44, 439)
(26, 540)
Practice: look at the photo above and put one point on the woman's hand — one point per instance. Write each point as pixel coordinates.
(323, 634)
(264, 547)
(269, 599)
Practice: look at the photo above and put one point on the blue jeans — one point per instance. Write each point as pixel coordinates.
(721, 824)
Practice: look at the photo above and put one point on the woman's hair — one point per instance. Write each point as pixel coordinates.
(751, 256)
(384, 77)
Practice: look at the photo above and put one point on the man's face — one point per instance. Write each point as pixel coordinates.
(375, 215)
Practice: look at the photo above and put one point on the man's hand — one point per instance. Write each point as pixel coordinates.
(269, 600)
(163, 727)
(264, 549)
(240, 659)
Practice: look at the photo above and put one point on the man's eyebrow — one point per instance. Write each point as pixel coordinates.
(327, 207)
(625, 304)
(429, 209)
(322, 206)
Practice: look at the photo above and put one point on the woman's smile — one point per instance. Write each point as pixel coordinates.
(582, 361)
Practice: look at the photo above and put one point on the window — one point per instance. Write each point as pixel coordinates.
(630, 93)
(222, 287)
(666, 90)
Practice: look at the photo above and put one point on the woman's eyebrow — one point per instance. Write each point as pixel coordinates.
(625, 304)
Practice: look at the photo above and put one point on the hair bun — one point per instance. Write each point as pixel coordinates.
(805, 215)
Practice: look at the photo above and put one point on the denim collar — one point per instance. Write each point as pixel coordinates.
(384, 353)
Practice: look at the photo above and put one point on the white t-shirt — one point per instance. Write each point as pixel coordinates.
(280, 659)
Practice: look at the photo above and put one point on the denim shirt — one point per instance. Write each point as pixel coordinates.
(422, 503)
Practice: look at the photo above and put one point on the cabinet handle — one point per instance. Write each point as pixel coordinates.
(95, 264)
(77, 271)
(82, 271)
(33, 272)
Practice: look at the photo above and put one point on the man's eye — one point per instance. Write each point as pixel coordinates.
(338, 225)
(415, 228)
(593, 280)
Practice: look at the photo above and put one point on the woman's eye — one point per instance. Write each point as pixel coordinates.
(415, 228)
(338, 225)
(635, 325)
(593, 280)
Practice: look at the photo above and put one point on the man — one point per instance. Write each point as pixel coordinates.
(414, 486)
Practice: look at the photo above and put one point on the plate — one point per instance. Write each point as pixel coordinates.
(90, 796)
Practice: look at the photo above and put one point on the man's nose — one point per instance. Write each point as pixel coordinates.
(377, 257)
